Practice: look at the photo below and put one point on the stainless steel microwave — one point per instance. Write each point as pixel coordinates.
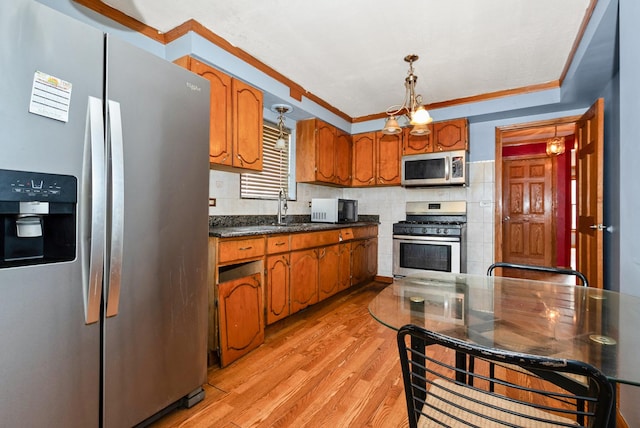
(435, 169)
(334, 210)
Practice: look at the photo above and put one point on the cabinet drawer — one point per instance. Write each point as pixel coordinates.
(346, 234)
(233, 250)
(365, 232)
(277, 244)
(314, 239)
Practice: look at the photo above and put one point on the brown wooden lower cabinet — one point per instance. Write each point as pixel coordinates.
(364, 260)
(344, 266)
(358, 261)
(241, 317)
(304, 279)
(328, 271)
(371, 251)
(261, 280)
(277, 287)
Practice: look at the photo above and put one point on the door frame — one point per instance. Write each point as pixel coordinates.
(511, 135)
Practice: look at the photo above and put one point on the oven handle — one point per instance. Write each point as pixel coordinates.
(427, 238)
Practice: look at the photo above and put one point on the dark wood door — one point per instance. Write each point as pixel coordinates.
(527, 211)
(590, 171)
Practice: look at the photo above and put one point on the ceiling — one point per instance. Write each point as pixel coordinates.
(350, 53)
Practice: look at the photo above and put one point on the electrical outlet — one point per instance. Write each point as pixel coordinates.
(212, 202)
(309, 204)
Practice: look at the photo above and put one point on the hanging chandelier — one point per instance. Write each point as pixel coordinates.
(411, 108)
(555, 145)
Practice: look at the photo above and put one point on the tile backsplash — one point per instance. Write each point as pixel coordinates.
(386, 202)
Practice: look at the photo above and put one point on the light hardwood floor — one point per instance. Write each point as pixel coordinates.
(331, 365)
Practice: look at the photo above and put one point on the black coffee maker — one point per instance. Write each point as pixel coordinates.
(37, 218)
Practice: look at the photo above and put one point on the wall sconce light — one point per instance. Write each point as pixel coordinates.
(281, 109)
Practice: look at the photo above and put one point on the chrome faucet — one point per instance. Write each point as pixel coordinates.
(282, 206)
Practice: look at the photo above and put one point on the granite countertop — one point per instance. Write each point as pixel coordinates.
(236, 226)
(268, 229)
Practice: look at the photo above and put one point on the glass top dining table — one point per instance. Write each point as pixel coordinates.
(596, 326)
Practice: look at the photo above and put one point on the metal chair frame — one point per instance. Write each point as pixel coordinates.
(535, 268)
(443, 393)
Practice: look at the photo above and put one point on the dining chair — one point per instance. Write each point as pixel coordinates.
(535, 268)
(440, 391)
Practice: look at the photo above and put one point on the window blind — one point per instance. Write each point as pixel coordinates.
(275, 168)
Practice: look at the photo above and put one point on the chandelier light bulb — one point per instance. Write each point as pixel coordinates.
(391, 126)
(281, 144)
(421, 116)
(420, 130)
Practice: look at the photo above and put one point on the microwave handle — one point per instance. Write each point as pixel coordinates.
(447, 167)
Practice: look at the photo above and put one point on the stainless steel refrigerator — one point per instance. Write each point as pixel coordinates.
(104, 225)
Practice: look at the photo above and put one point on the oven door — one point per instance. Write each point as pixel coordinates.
(414, 254)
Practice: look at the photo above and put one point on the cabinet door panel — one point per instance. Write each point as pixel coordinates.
(304, 279)
(343, 158)
(325, 152)
(417, 144)
(328, 272)
(247, 119)
(220, 121)
(364, 160)
(358, 261)
(372, 257)
(277, 288)
(241, 317)
(344, 266)
(451, 135)
(389, 153)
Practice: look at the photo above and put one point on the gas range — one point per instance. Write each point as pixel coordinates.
(447, 218)
(432, 238)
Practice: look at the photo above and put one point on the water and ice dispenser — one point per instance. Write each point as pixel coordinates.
(37, 218)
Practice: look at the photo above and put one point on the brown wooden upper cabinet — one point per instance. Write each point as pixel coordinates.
(376, 159)
(323, 153)
(417, 144)
(235, 126)
(451, 135)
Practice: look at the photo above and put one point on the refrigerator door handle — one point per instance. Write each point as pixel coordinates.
(92, 212)
(116, 147)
